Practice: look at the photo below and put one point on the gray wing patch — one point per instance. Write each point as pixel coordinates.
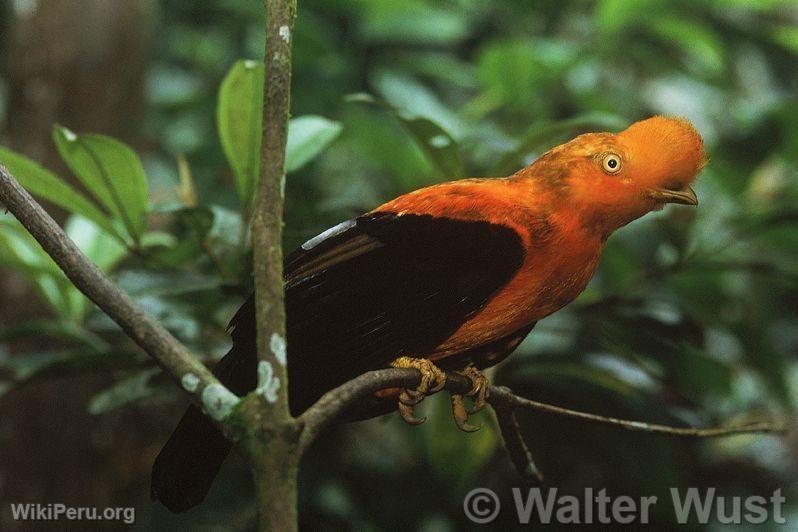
(329, 233)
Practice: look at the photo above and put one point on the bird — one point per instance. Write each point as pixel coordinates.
(447, 278)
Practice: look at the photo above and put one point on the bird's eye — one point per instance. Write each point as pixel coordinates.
(611, 163)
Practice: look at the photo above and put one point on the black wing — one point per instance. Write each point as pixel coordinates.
(357, 296)
(383, 286)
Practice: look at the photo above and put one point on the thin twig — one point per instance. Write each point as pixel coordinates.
(520, 402)
(94, 284)
(515, 445)
(334, 403)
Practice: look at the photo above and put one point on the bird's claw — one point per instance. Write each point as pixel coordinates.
(479, 393)
(406, 411)
(432, 380)
(407, 399)
(460, 414)
(479, 389)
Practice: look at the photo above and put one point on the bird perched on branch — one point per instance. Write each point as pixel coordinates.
(450, 277)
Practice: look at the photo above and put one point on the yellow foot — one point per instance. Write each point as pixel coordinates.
(479, 392)
(432, 380)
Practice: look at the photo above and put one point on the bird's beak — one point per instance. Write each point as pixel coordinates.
(685, 196)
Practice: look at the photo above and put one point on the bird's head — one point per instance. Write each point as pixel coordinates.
(612, 179)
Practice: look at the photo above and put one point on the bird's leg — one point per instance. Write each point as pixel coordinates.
(432, 380)
(479, 392)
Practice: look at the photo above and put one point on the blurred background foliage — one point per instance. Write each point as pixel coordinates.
(691, 318)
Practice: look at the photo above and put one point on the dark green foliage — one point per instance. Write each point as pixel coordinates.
(691, 318)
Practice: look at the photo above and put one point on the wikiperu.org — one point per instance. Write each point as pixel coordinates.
(60, 512)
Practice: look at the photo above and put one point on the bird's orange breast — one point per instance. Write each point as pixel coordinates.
(553, 274)
(561, 254)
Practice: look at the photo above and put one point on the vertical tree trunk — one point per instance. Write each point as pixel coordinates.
(272, 451)
(271, 448)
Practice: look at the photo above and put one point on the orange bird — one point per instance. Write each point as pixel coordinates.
(450, 277)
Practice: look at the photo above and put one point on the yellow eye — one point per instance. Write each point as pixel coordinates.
(611, 163)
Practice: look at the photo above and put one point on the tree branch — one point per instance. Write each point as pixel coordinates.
(150, 335)
(332, 404)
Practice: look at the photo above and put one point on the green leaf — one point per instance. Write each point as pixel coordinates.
(46, 185)
(156, 239)
(175, 315)
(102, 251)
(307, 137)
(29, 367)
(786, 36)
(215, 223)
(192, 227)
(697, 41)
(612, 16)
(437, 144)
(414, 21)
(20, 251)
(124, 392)
(111, 172)
(239, 117)
(139, 283)
(64, 331)
(416, 100)
(537, 68)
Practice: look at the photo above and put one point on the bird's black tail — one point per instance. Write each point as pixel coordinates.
(187, 465)
(185, 468)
